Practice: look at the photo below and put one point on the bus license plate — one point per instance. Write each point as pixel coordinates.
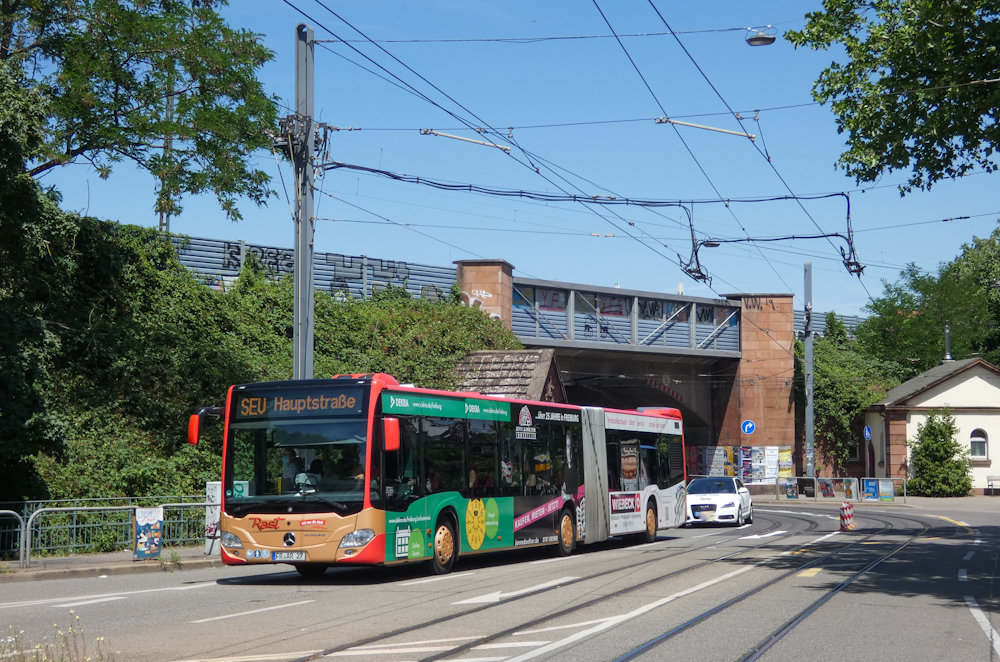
(288, 556)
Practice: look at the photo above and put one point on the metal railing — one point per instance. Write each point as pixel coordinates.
(83, 531)
(25, 552)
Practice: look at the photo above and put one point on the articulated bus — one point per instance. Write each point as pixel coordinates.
(361, 470)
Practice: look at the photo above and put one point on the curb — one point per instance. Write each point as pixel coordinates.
(131, 568)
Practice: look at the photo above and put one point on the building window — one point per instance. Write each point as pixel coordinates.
(978, 444)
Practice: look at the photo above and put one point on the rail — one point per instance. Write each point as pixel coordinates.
(20, 520)
(25, 547)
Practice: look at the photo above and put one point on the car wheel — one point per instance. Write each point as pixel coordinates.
(567, 531)
(649, 534)
(750, 517)
(445, 549)
(739, 516)
(310, 570)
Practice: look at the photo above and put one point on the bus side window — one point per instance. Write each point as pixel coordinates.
(614, 462)
(482, 460)
(538, 463)
(444, 455)
(511, 483)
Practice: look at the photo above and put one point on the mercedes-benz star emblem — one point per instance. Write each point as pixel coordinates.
(289, 539)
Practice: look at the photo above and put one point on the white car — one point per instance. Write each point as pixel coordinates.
(725, 500)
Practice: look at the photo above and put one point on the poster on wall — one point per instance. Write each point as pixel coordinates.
(826, 487)
(869, 489)
(785, 469)
(885, 489)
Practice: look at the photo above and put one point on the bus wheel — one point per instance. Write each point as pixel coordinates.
(649, 534)
(444, 547)
(310, 571)
(567, 533)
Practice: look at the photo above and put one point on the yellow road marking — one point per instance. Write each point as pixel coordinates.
(811, 572)
(965, 526)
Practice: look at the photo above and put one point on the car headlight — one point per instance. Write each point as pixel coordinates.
(230, 540)
(358, 538)
(729, 505)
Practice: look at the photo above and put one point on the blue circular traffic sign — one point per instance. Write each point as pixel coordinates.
(748, 427)
(868, 433)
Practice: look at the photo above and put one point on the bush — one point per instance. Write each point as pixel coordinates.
(940, 466)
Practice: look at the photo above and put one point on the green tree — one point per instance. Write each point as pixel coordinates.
(917, 90)
(908, 320)
(845, 383)
(166, 84)
(939, 465)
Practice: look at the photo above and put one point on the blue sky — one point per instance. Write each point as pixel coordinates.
(607, 144)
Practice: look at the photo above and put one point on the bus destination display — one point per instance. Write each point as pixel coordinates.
(262, 405)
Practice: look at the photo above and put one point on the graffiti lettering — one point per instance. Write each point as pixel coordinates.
(706, 314)
(651, 309)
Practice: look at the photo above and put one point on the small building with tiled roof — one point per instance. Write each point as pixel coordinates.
(969, 389)
(529, 374)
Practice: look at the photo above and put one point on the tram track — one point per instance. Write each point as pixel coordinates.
(782, 631)
(811, 525)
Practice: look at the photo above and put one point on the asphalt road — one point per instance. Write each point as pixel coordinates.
(908, 583)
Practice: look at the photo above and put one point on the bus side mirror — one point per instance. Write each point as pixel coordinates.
(198, 420)
(390, 433)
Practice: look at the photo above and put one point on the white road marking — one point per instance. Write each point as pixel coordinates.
(963, 576)
(766, 535)
(257, 658)
(30, 603)
(563, 627)
(968, 556)
(413, 643)
(626, 617)
(976, 542)
(438, 579)
(402, 648)
(498, 596)
(90, 602)
(963, 523)
(797, 512)
(984, 622)
(559, 558)
(254, 611)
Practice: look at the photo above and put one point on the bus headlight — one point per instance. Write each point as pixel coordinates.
(230, 540)
(358, 538)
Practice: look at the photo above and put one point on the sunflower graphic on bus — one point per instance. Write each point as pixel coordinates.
(475, 523)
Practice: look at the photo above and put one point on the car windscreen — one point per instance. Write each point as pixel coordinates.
(712, 486)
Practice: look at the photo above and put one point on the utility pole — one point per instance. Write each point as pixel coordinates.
(810, 471)
(299, 132)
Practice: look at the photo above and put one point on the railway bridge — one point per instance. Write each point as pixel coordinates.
(721, 361)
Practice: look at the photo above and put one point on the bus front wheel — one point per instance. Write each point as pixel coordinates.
(567, 533)
(444, 547)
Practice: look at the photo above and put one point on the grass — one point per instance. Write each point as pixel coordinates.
(68, 646)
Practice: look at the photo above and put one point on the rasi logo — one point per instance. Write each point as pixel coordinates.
(261, 524)
(524, 419)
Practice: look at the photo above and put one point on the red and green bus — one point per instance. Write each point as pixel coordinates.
(359, 469)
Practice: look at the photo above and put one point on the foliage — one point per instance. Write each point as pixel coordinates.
(166, 84)
(64, 646)
(845, 383)
(917, 90)
(131, 342)
(940, 466)
(908, 320)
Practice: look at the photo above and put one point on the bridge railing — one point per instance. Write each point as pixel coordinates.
(562, 313)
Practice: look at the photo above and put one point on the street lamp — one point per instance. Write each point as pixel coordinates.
(761, 36)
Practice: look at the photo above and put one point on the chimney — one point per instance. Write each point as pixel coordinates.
(947, 344)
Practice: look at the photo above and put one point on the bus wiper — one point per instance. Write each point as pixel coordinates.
(312, 496)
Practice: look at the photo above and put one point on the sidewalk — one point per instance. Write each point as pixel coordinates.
(108, 563)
